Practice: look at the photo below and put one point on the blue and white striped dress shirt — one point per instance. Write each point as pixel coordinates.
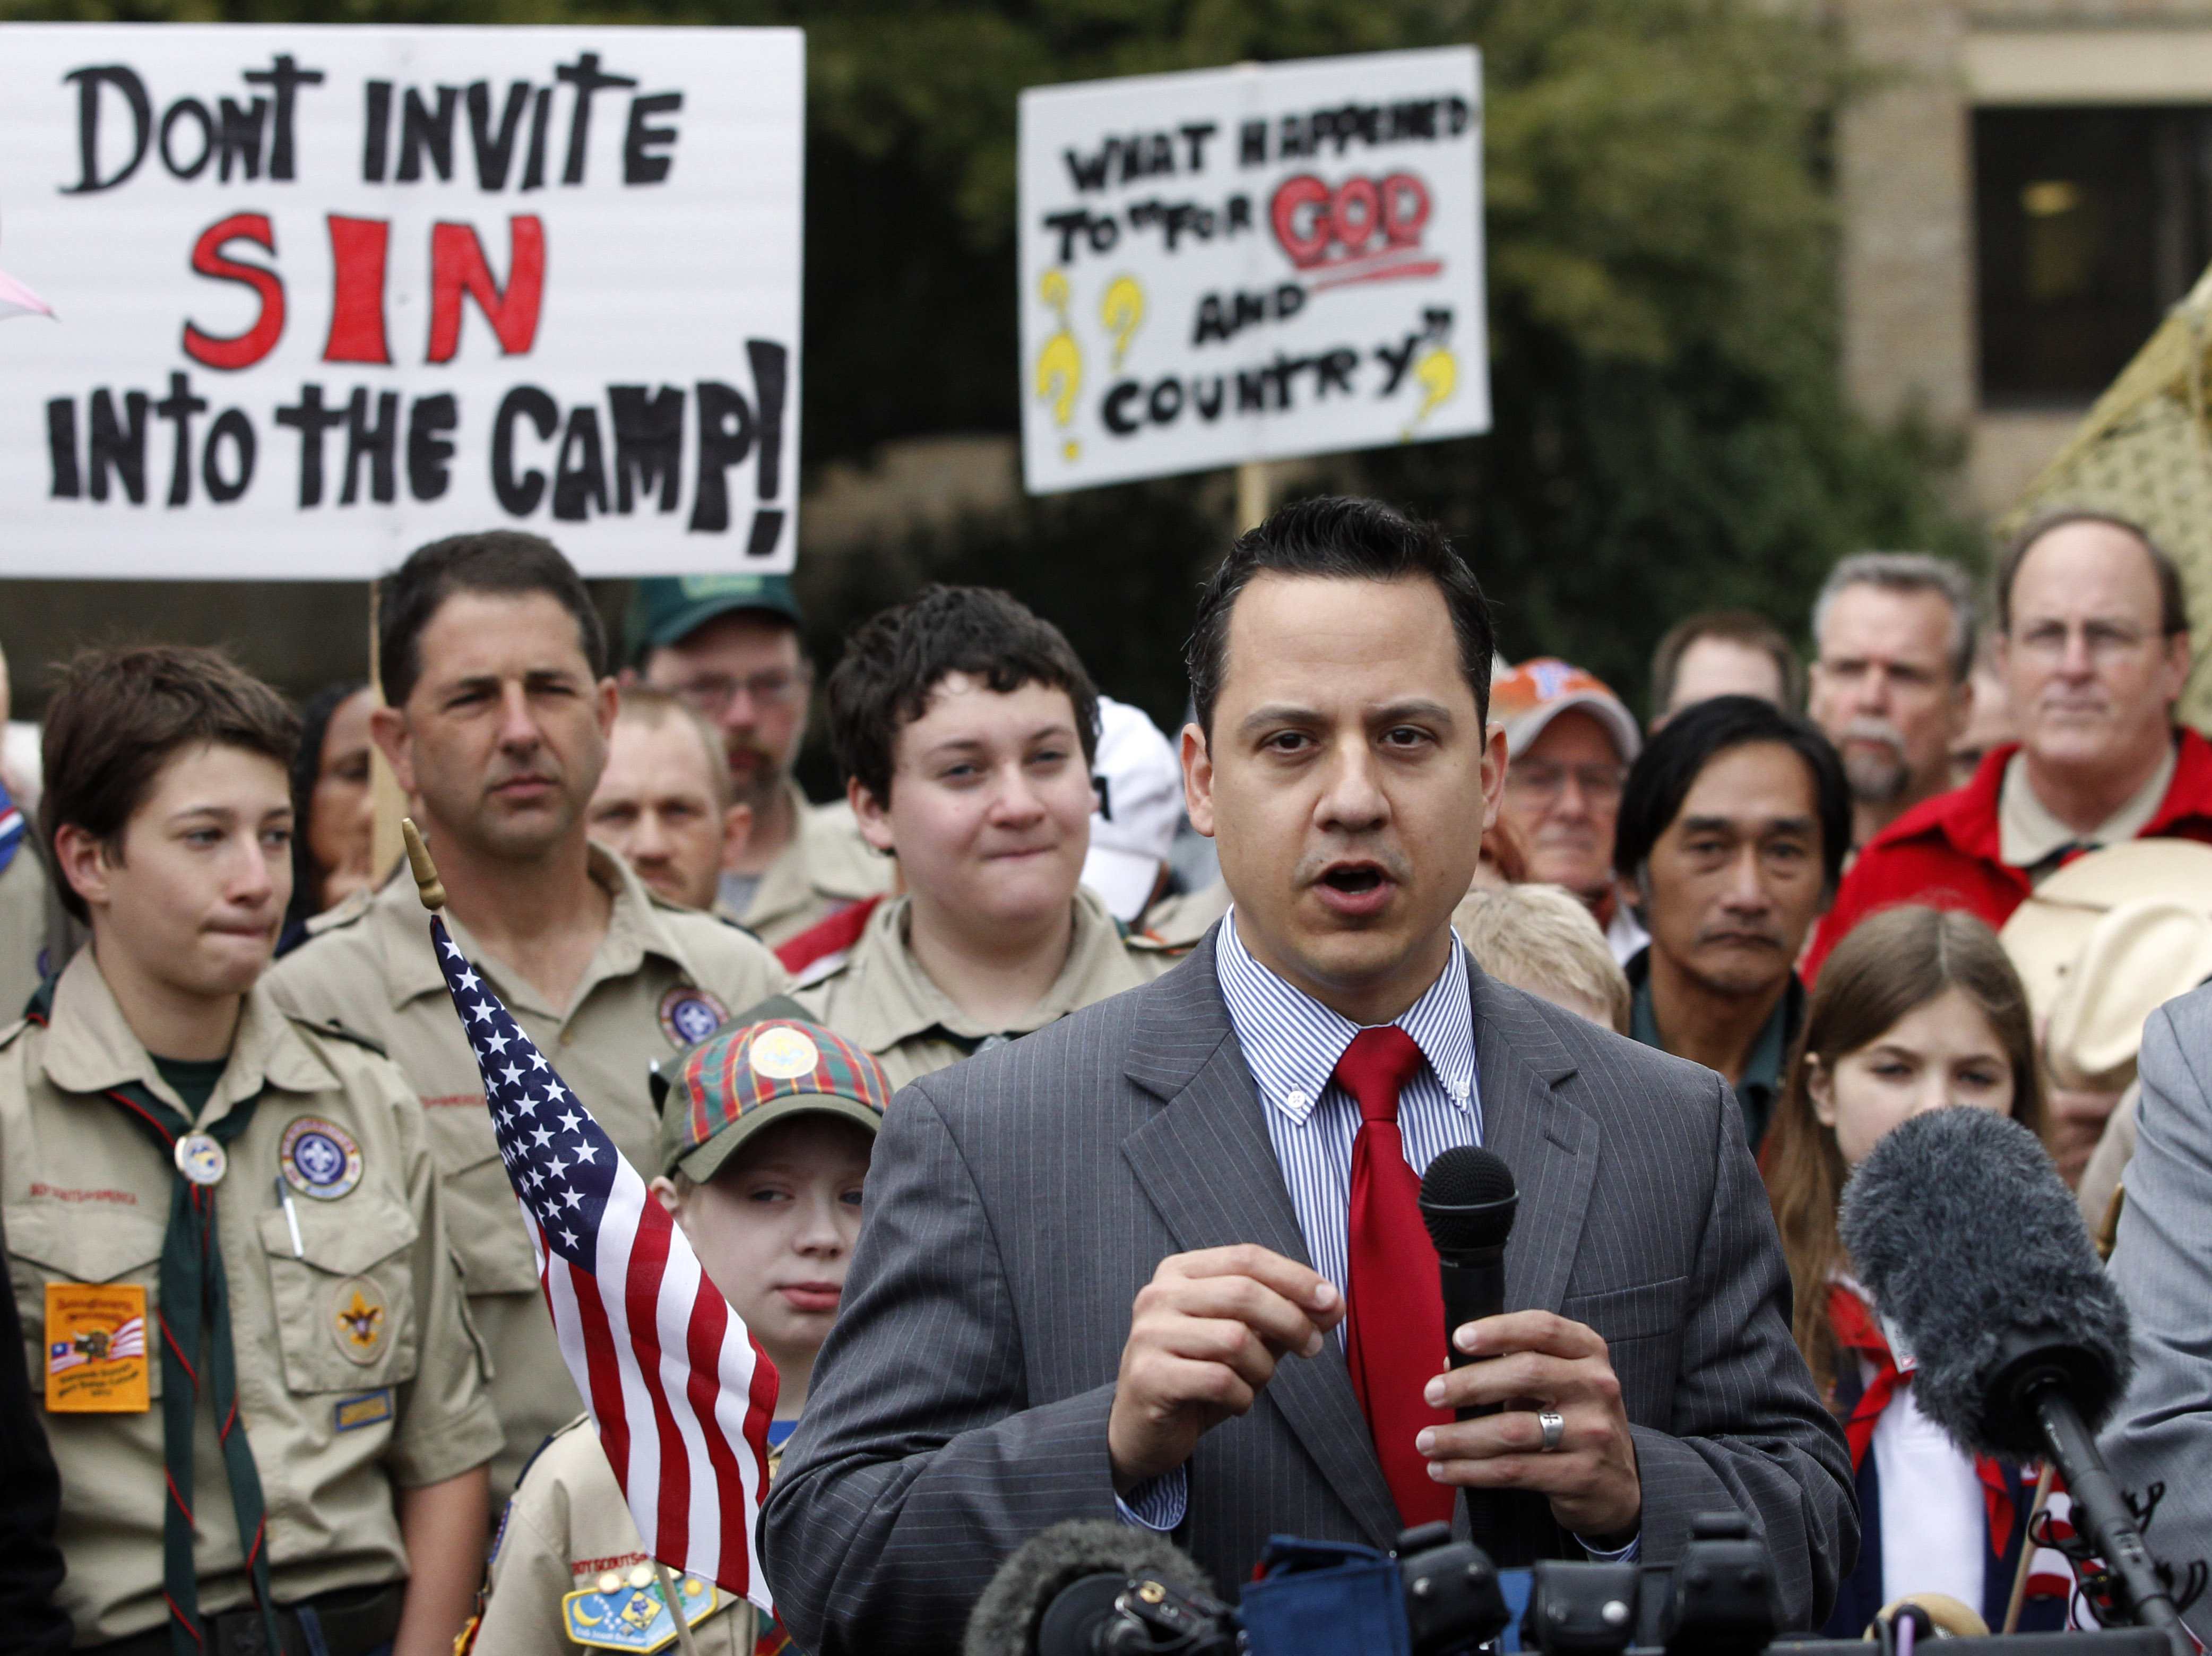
(1292, 1044)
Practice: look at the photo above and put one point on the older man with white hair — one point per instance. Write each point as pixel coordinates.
(1891, 683)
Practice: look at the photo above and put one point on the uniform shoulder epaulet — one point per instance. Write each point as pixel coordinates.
(337, 1030)
(345, 914)
(669, 906)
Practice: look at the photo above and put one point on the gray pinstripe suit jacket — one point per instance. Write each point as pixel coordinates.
(1018, 1201)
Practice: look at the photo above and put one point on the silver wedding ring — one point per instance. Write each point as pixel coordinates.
(1555, 1427)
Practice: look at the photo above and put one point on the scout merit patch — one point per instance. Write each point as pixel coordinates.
(363, 1408)
(357, 1319)
(96, 1348)
(623, 1610)
(319, 1158)
(688, 1015)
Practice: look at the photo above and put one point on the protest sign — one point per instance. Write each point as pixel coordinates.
(1250, 264)
(323, 294)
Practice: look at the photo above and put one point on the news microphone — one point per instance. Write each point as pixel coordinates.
(1468, 1201)
(1054, 1595)
(1974, 1250)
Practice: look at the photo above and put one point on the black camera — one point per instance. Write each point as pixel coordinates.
(1447, 1591)
(1717, 1601)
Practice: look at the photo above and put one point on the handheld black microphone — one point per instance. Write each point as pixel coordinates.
(1468, 1201)
(1959, 1227)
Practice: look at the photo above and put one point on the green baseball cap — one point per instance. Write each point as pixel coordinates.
(667, 609)
(749, 1076)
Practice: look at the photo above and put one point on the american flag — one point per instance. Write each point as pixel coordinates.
(680, 1393)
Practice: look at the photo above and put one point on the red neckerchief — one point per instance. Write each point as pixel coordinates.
(1857, 1331)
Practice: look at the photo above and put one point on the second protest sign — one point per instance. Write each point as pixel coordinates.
(1250, 264)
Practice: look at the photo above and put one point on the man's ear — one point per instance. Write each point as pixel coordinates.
(1198, 780)
(1494, 762)
(388, 729)
(610, 700)
(872, 815)
(84, 862)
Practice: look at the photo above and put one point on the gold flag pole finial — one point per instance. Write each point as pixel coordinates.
(426, 872)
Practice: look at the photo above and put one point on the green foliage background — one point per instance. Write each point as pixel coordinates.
(1671, 432)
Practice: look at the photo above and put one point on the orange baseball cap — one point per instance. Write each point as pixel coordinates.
(1527, 698)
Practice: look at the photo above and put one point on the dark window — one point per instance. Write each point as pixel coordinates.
(2089, 224)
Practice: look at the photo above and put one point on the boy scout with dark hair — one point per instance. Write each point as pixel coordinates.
(259, 1378)
(764, 1144)
(965, 727)
(494, 666)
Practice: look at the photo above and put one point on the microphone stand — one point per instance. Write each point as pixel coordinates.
(2112, 1524)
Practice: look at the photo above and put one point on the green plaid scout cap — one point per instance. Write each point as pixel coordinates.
(750, 1076)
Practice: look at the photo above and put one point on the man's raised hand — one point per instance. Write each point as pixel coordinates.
(1204, 1336)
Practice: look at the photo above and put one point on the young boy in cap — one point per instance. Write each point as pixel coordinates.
(219, 1214)
(765, 1143)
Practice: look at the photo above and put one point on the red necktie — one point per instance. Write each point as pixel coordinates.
(1857, 1331)
(1395, 1329)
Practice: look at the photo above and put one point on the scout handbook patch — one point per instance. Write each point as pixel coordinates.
(96, 1348)
(624, 1612)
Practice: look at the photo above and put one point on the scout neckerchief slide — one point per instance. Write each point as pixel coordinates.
(194, 1318)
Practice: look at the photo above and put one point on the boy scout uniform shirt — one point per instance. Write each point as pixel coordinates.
(662, 979)
(569, 1562)
(826, 866)
(357, 1371)
(877, 996)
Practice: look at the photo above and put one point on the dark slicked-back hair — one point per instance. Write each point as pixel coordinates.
(1671, 762)
(894, 662)
(503, 562)
(119, 715)
(1342, 540)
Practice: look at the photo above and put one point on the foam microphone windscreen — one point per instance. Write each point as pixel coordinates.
(1005, 1620)
(1974, 1250)
(1468, 1200)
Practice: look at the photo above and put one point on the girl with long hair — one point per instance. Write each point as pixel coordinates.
(1916, 1009)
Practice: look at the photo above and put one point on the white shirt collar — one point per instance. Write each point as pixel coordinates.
(1291, 1042)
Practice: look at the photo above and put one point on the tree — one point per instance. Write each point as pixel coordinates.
(1671, 431)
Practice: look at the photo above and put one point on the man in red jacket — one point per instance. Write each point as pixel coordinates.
(2093, 646)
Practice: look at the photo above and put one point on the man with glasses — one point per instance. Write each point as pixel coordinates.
(1570, 741)
(728, 645)
(2093, 645)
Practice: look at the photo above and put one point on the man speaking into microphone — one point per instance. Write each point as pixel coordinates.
(1163, 1261)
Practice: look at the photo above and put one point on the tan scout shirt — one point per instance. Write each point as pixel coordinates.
(357, 1371)
(662, 978)
(880, 997)
(35, 932)
(566, 1530)
(826, 866)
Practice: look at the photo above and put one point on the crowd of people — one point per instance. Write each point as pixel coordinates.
(247, 1174)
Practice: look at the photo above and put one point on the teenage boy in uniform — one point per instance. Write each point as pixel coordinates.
(260, 1383)
(493, 665)
(764, 1145)
(966, 727)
